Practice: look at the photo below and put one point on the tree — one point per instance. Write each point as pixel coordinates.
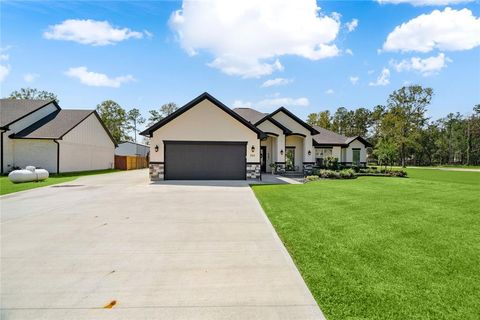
(115, 119)
(407, 107)
(32, 94)
(135, 118)
(361, 122)
(165, 110)
(386, 152)
(321, 119)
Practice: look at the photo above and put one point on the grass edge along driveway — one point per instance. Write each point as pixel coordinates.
(384, 248)
(7, 187)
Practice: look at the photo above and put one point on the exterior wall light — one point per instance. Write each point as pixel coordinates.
(309, 152)
(156, 148)
(281, 152)
(253, 148)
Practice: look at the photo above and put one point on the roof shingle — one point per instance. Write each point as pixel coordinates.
(14, 109)
(53, 126)
(249, 114)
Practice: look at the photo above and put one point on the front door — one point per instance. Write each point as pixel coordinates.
(290, 159)
(263, 158)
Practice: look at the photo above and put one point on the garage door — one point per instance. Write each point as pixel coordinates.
(205, 160)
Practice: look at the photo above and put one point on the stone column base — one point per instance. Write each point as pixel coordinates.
(156, 171)
(308, 168)
(253, 171)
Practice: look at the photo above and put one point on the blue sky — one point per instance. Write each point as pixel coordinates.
(321, 64)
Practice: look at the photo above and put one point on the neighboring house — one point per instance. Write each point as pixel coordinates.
(41, 134)
(129, 148)
(207, 140)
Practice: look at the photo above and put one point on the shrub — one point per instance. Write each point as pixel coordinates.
(311, 178)
(329, 174)
(330, 163)
(347, 174)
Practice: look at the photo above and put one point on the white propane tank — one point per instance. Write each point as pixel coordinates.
(28, 174)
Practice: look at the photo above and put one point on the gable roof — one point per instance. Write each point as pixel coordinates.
(297, 119)
(330, 138)
(12, 110)
(251, 115)
(194, 102)
(275, 122)
(57, 124)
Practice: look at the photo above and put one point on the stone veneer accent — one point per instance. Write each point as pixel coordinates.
(253, 171)
(156, 171)
(307, 168)
(280, 168)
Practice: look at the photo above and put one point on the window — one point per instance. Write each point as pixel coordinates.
(323, 152)
(356, 156)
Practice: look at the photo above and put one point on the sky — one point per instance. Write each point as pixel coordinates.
(307, 56)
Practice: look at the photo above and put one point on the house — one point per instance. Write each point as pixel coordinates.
(130, 148)
(41, 134)
(206, 140)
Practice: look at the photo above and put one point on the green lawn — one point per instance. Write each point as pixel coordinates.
(6, 186)
(385, 248)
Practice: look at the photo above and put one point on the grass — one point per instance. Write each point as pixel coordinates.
(384, 248)
(6, 186)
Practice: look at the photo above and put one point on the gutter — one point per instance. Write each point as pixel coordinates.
(1, 150)
(58, 155)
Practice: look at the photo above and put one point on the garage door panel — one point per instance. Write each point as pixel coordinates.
(205, 160)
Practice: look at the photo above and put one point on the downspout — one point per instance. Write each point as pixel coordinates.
(58, 156)
(1, 151)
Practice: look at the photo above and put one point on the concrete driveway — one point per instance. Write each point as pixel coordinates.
(117, 247)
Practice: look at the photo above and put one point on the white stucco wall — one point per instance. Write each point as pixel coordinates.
(296, 127)
(86, 147)
(356, 145)
(8, 156)
(33, 152)
(279, 142)
(205, 122)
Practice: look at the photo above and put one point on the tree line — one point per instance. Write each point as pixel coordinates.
(123, 124)
(399, 130)
(402, 134)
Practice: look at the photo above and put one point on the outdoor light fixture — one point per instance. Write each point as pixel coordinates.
(309, 152)
(253, 148)
(156, 148)
(281, 152)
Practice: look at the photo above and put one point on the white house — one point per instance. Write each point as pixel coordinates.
(207, 140)
(40, 133)
(130, 148)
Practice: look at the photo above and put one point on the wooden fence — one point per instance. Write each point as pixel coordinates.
(130, 162)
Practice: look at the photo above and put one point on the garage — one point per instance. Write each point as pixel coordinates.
(205, 160)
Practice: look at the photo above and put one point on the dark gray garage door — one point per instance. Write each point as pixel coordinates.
(191, 160)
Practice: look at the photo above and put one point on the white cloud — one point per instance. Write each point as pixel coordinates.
(273, 103)
(91, 32)
(383, 79)
(30, 77)
(349, 52)
(4, 71)
(276, 82)
(4, 57)
(330, 91)
(352, 25)
(354, 79)
(247, 37)
(426, 67)
(95, 79)
(449, 30)
(425, 2)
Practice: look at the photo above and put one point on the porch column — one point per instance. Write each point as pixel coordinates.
(308, 155)
(280, 153)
